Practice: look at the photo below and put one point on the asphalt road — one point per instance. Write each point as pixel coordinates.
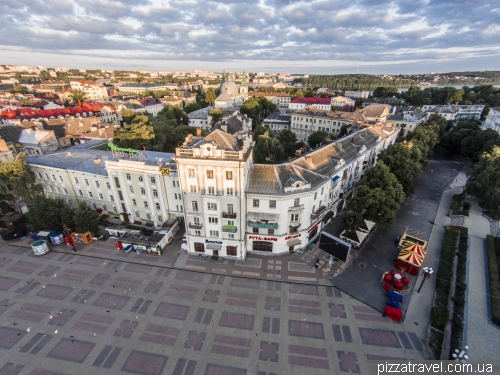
(361, 279)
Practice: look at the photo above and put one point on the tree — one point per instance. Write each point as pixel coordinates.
(128, 115)
(136, 136)
(482, 141)
(216, 116)
(288, 140)
(77, 96)
(267, 150)
(86, 219)
(344, 129)
(379, 195)
(50, 214)
(18, 175)
(261, 130)
(484, 180)
(403, 162)
(191, 107)
(316, 138)
(210, 96)
(297, 94)
(385, 92)
(359, 102)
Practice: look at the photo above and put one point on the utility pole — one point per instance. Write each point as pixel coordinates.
(427, 272)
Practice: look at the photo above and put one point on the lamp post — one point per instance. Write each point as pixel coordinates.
(461, 355)
(427, 272)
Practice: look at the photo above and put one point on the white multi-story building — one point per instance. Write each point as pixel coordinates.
(320, 103)
(340, 101)
(492, 120)
(357, 94)
(91, 89)
(277, 122)
(281, 99)
(455, 112)
(201, 118)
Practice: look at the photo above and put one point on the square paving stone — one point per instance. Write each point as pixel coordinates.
(143, 363)
(306, 329)
(379, 337)
(10, 337)
(52, 291)
(213, 369)
(234, 320)
(172, 311)
(71, 350)
(7, 282)
(111, 301)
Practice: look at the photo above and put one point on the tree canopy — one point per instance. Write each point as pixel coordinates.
(484, 180)
(258, 108)
(267, 149)
(77, 96)
(85, 219)
(50, 214)
(19, 177)
(317, 137)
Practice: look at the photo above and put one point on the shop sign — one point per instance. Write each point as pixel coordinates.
(293, 236)
(314, 226)
(258, 238)
(214, 242)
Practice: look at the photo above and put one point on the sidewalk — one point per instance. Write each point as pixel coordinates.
(482, 337)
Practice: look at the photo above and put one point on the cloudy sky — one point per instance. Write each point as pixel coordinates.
(312, 36)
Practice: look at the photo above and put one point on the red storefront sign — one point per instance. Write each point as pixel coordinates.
(293, 236)
(258, 238)
(314, 226)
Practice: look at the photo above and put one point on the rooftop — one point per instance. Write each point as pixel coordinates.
(311, 101)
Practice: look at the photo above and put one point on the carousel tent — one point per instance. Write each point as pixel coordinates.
(411, 258)
(366, 226)
(355, 238)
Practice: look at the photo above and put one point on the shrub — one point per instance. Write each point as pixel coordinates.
(494, 280)
(456, 202)
(436, 343)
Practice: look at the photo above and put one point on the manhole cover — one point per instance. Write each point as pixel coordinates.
(362, 265)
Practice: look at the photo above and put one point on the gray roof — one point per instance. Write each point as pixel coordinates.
(272, 179)
(82, 158)
(10, 133)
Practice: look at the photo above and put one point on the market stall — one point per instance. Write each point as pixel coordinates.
(410, 259)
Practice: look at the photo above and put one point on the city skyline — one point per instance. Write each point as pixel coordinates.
(318, 37)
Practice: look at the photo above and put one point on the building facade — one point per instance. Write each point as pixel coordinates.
(492, 120)
(363, 94)
(91, 89)
(320, 103)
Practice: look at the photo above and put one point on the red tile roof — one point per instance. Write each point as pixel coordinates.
(311, 101)
(30, 113)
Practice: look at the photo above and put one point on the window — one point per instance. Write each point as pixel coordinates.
(104, 207)
(191, 172)
(256, 203)
(61, 179)
(141, 179)
(115, 210)
(131, 189)
(315, 195)
(94, 206)
(160, 218)
(146, 204)
(108, 186)
(214, 233)
(270, 231)
(255, 230)
(128, 176)
(38, 174)
(65, 191)
(57, 189)
(262, 246)
(175, 194)
(86, 182)
(158, 206)
(295, 217)
(173, 182)
(194, 206)
(148, 216)
(199, 247)
(117, 182)
(143, 191)
(182, 208)
(229, 175)
(136, 213)
(231, 235)
(212, 206)
(111, 198)
(47, 176)
(153, 180)
(230, 222)
(197, 232)
(296, 201)
(54, 177)
(322, 189)
(192, 188)
(210, 174)
(97, 184)
(196, 220)
(134, 202)
(212, 220)
(230, 191)
(155, 193)
(91, 195)
(80, 193)
(101, 197)
(231, 250)
(211, 190)
(230, 209)
(272, 204)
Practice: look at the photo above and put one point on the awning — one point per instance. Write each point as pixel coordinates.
(212, 246)
(293, 242)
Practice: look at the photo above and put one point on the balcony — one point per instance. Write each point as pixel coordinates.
(195, 225)
(298, 207)
(229, 228)
(318, 212)
(225, 215)
(263, 224)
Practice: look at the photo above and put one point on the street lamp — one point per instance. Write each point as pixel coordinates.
(427, 272)
(461, 355)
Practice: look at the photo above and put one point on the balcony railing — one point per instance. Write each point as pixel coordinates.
(229, 228)
(298, 207)
(262, 224)
(318, 212)
(225, 215)
(195, 225)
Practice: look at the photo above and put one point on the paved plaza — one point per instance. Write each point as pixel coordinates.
(104, 311)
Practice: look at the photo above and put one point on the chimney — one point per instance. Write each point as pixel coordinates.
(96, 160)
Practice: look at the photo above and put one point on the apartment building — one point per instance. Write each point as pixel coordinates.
(277, 122)
(320, 103)
(492, 120)
(311, 119)
(455, 112)
(358, 94)
(91, 89)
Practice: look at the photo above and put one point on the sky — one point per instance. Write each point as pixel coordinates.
(308, 37)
